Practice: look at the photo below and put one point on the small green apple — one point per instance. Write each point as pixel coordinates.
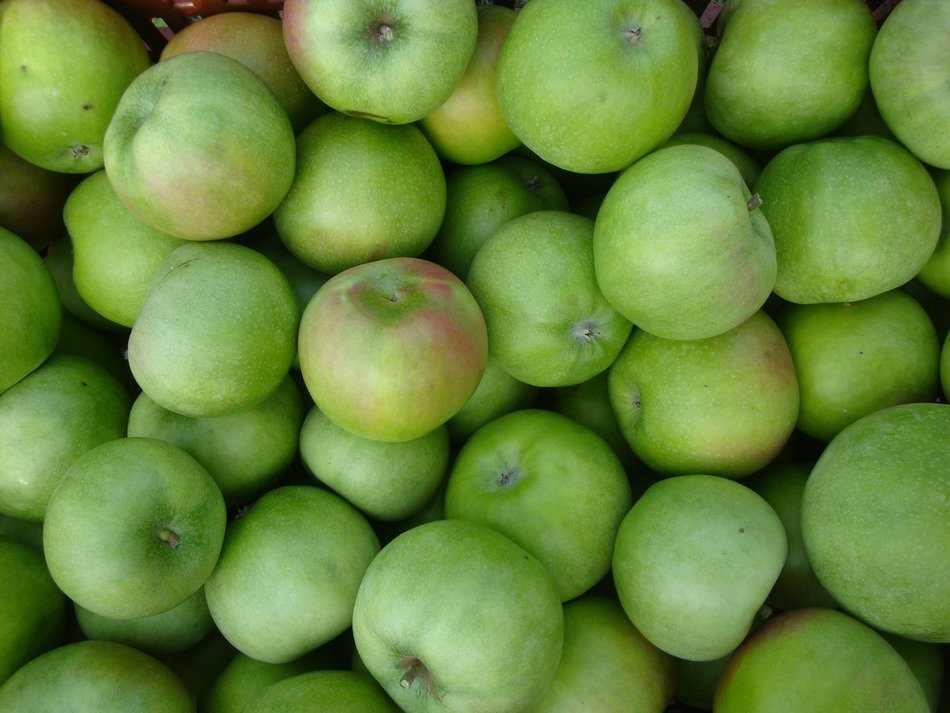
(337, 691)
(31, 199)
(498, 393)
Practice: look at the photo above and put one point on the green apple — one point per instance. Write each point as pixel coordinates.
(783, 74)
(59, 261)
(855, 358)
(32, 609)
(29, 310)
(694, 560)
(94, 676)
(392, 349)
(387, 481)
(79, 339)
(363, 191)
(606, 664)
(199, 147)
(851, 217)
(133, 529)
(257, 42)
(548, 322)
(288, 573)
(593, 86)
(469, 127)
(817, 660)
(724, 405)
(337, 691)
(908, 66)
(874, 517)
(59, 412)
(64, 64)
(748, 167)
(303, 279)
(935, 274)
(552, 486)
(393, 62)
(926, 663)
(867, 121)
(245, 451)
(481, 199)
(216, 331)
(453, 616)
(31, 199)
(681, 248)
(498, 393)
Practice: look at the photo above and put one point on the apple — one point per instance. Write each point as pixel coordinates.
(199, 665)
(339, 691)
(681, 248)
(64, 64)
(456, 616)
(498, 393)
(62, 410)
(926, 663)
(867, 121)
(199, 147)
(29, 310)
(133, 528)
(908, 67)
(59, 261)
(363, 191)
(593, 86)
(288, 573)
(935, 273)
(392, 349)
(874, 516)
(392, 63)
(79, 339)
(783, 74)
(851, 217)
(31, 199)
(748, 167)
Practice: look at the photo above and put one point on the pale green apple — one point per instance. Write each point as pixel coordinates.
(31, 199)
(935, 274)
(498, 393)
(59, 261)
(748, 167)
(337, 691)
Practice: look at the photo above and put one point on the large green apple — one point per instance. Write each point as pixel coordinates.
(453, 616)
(935, 274)
(851, 218)
(817, 661)
(337, 691)
(909, 65)
(288, 573)
(133, 529)
(786, 73)
(59, 412)
(64, 64)
(874, 520)
(593, 86)
(31, 199)
(363, 191)
(498, 393)
(199, 147)
(391, 62)
(681, 248)
(695, 558)
(392, 349)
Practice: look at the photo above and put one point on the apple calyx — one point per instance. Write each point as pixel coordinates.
(585, 331)
(415, 669)
(382, 31)
(170, 537)
(509, 475)
(755, 201)
(632, 35)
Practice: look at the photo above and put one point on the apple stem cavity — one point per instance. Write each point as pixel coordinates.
(509, 475)
(169, 536)
(585, 331)
(415, 669)
(755, 201)
(383, 32)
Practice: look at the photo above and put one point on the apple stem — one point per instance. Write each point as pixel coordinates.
(414, 669)
(755, 201)
(166, 535)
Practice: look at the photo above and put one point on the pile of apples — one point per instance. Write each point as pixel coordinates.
(440, 356)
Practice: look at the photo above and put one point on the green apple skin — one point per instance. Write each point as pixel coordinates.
(288, 573)
(200, 148)
(386, 481)
(855, 358)
(874, 516)
(851, 218)
(29, 310)
(908, 67)
(606, 664)
(548, 322)
(529, 475)
(363, 191)
(76, 338)
(133, 529)
(57, 99)
(817, 661)
(748, 167)
(257, 42)
(481, 199)
(695, 559)
(31, 199)
(678, 248)
(498, 393)
(453, 616)
(469, 128)
(363, 58)
(62, 410)
(115, 255)
(245, 451)
(95, 676)
(216, 331)
(303, 279)
(926, 663)
(935, 274)
(170, 632)
(392, 349)
(593, 86)
(339, 691)
(781, 485)
(772, 83)
(33, 618)
(59, 261)
(725, 405)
